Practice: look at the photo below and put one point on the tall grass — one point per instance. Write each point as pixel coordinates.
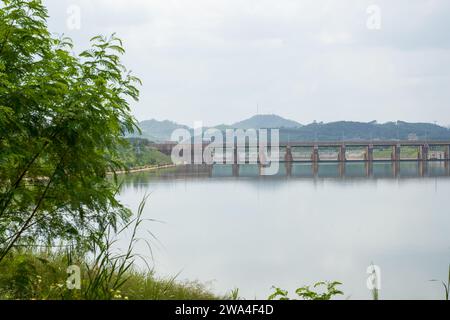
(42, 276)
(109, 271)
(30, 273)
(446, 285)
(375, 290)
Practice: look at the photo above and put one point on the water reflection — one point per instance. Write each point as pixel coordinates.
(329, 222)
(348, 170)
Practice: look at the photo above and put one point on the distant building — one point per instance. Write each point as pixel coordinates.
(412, 137)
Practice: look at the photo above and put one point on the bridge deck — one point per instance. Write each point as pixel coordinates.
(361, 143)
(288, 150)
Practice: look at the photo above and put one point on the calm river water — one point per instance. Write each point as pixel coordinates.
(251, 232)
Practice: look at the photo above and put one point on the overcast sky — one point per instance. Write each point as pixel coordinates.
(216, 60)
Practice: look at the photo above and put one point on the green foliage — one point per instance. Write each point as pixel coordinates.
(329, 290)
(279, 294)
(62, 120)
(139, 153)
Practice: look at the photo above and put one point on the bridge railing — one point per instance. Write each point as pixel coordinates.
(342, 151)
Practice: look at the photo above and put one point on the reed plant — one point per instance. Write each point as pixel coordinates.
(40, 272)
(446, 285)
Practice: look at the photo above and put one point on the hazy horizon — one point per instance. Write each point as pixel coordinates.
(221, 61)
(302, 123)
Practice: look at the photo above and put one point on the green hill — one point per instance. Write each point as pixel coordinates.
(160, 131)
(155, 130)
(266, 121)
(346, 130)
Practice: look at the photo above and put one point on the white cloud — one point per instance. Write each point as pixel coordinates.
(311, 59)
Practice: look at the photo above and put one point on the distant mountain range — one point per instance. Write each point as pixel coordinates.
(290, 130)
(266, 121)
(155, 130)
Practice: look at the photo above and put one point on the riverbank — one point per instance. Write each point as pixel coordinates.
(145, 169)
(43, 276)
